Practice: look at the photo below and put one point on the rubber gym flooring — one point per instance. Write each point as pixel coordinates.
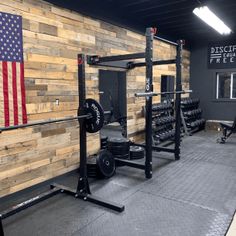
(193, 196)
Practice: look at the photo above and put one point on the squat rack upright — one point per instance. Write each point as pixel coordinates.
(115, 62)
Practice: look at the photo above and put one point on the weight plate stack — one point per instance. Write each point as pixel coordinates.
(106, 164)
(136, 152)
(119, 147)
(92, 170)
(104, 142)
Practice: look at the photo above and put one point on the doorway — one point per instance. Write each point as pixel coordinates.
(112, 90)
(167, 85)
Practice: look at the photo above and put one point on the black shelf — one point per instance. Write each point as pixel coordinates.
(163, 129)
(192, 120)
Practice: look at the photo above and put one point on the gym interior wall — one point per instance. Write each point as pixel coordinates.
(203, 84)
(52, 38)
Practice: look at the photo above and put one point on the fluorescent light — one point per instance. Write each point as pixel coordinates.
(205, 14)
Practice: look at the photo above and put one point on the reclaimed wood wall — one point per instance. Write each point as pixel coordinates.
(52, 39)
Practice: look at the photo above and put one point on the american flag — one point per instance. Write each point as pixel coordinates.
(12, 87)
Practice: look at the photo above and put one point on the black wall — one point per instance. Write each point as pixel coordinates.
(112, 85)
(203, 84)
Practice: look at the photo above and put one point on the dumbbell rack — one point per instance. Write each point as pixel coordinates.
(163, 123)
(191, 116)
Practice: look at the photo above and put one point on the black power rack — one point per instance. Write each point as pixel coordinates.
(123, 62)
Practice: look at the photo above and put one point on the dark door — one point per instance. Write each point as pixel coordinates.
(112, 87)
(167, 85)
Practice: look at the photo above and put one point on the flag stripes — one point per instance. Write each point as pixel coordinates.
(13, 92)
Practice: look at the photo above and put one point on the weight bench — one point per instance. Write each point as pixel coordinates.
(228, 129)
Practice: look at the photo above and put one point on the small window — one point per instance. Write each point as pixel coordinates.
(226, 85)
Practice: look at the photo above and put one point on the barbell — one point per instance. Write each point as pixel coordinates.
(94, 117)
(152, 94)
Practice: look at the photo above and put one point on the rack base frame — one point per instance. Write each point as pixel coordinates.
(56, 189)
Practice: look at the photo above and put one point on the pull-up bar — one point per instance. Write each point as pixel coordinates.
(166, 41)
(93, 60)
(132, 65)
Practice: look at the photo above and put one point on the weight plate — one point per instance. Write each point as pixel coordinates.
(136, 149)
(119, 153)
(118, 147)
(122, 156)
(104, 138)
(93, 108)
(121, 149)
(106, 163)
(118, 141)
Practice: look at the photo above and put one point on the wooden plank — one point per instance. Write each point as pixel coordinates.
(48, 59)
(23, 169)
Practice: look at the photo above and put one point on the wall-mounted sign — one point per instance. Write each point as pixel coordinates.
(222, 55)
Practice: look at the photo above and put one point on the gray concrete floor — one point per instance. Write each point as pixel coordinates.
(193, 196)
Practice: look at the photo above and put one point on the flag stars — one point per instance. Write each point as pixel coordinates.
(10, 37)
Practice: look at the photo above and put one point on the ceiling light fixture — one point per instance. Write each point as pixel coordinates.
(205, 14)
